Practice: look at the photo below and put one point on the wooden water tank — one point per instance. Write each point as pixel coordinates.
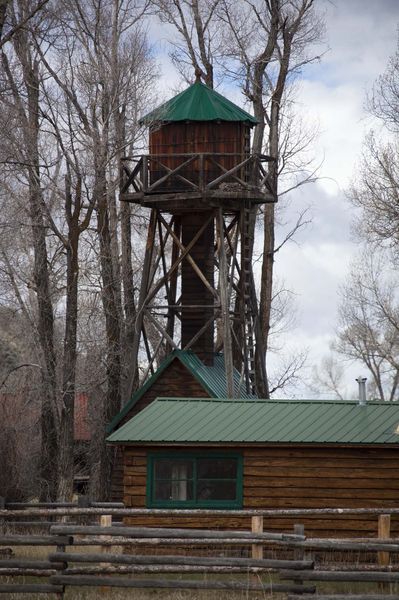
(199, 120)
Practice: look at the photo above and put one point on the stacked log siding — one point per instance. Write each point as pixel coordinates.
(294, 477)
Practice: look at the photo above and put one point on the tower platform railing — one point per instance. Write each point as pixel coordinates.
(202, 174)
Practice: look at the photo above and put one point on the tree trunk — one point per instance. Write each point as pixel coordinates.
(127, 273)
(49, 411)
(66, 440)
(112, 323)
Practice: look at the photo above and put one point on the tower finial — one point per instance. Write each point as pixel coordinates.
(198, 74)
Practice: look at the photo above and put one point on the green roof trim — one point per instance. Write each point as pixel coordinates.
(212, 378)
(198, 103)
(182, 420)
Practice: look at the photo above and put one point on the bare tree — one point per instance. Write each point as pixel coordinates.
(98, 74)
(17, 25)
(328, 377)
(376, 192)
(369, 315)
(384, 99)
(369, 323)
(285, 31)
(198, 36)
(23, 82)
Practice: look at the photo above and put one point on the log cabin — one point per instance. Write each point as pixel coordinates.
(182, 373)
(262, 454)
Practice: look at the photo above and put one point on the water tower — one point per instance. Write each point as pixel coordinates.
(202, 186)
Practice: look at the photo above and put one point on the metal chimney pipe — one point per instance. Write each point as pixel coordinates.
(362, 390)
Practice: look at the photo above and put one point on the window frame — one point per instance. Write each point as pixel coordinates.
(203, 503)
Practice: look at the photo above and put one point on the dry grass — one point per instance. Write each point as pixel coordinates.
(72, 593)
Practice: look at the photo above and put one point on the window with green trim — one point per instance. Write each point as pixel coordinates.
(194, 480)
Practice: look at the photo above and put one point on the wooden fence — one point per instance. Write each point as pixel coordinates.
(33, 515)
(299, 576)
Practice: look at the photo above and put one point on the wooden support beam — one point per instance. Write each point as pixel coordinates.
(200, 332)
(189, 258)
(143, 293)
(160, 328)
(184, 252)
(225, 308)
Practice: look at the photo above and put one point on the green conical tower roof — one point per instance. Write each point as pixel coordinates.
(198, 103)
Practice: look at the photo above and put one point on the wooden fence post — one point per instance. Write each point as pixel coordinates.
(106, 521)
(61, 548)
(83, 502)
(257, 527)
(384, 533)
(299, 553)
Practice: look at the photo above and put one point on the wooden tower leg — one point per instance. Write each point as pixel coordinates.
(170, 328)
(143, 295)
(225, 307)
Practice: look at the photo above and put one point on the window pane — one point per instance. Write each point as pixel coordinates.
(173, 490)
(173, 479)
(173, 468)
(217, 468)
(191, 480)
(212, 489)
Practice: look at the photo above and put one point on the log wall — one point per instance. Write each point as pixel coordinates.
(294, 477)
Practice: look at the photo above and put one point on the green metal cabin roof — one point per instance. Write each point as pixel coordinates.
(171, 420)
(198, 103)
(212, 378)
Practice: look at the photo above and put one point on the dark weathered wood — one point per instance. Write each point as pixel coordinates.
(343, 597)
(132, 512)
(83, 502)
(35, 540)
(173, 173)
(88, 580)
(129, 541)
(133, 559)
(151, 532)
(360, 576)
(35, 588)
(225, 302)
(367, 545)
(20, 563)
(18, 572)
(104, 569)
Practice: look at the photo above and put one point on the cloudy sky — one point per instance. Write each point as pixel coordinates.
(360, 37)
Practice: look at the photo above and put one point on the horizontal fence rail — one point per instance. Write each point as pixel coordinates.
(300, 575)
